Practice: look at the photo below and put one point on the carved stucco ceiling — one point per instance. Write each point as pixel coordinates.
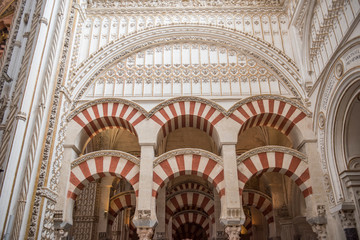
(196, 69)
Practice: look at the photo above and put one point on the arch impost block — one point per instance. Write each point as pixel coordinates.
(106, 100)
(266, 149)
(187, 151)
(187, 99)
(122, 194)
(189, 191)
(105, 153)
(293, 102)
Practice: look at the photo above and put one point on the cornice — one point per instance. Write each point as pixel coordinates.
(267, 149)
(187, 151)
(105, 153)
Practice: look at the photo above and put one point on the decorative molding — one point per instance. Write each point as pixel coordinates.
(106, 100)
(187, 151)
(268, 149)
(267, 97)
(44, 20)
(21, 116)
(233, 232)
(105, 153)
(187, 99)
(144, 233)
(321, 120)
(49, 194)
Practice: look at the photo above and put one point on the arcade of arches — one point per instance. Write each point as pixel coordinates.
(180, 119)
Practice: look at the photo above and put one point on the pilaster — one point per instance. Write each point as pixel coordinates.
(231, 210)
(145, 215)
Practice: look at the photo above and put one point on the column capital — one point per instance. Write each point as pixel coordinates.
(233, 232)
(347, 218)
(144, 233)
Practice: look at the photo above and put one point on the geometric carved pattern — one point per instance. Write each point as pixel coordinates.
(190, 164)
(275, 113)
(191, 217)
(189, 199)
(260, 202)
(275, 160)
(98, 167)
(105, 115)
(119, 203)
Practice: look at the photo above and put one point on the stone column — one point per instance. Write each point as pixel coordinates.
(348, 223)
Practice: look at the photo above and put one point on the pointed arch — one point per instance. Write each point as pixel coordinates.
(119, 202)
(275, 159)
(268, 110)
(96, 165)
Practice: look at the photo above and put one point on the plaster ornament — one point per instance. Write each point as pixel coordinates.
(321, 120)
(233, 232)
(339, 69)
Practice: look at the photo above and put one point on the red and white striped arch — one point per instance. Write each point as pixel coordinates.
(189, 186)
(119, 203)
(191, 217)
(248, 226)
(93, 118)
(273, 112)
(260, 202)
(188, 164)
(189, 199)
(187, 114)
(101, 166)
(277, 160)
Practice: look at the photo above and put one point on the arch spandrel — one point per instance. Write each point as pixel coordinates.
(261, 52)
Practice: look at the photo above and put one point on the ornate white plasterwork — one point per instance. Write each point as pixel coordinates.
(263, 53)
(187, 68)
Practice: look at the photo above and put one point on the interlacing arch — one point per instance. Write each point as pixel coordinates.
(283, 160)
(119, 202)
(187, 217)
(183, 112)
(95, 165)
(101, 114)
(194, 199)
(268, 110)
(188, 162)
